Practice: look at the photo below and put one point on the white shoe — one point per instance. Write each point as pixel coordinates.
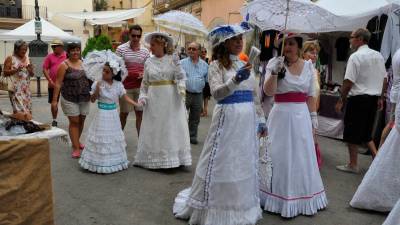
(348, 169)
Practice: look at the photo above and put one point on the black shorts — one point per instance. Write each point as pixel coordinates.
(359, 118)
(50, 91)
(206, 91)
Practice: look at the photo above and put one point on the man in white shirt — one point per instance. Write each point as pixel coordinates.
(363, 90)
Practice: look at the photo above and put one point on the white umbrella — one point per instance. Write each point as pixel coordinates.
(301, 16)
(182, 22)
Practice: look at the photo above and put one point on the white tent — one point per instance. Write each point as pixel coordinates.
(353, 14)
(105, 17)
(26, 32)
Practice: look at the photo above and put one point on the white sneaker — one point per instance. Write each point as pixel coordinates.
(348, 169)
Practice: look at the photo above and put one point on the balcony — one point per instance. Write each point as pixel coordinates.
(26, 12)
(161, 6)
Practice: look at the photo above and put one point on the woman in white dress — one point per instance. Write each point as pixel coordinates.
(225, 186)
(164, 134)
(394, 215)
(105, 149)
(296, 185)
(380, 187)
(310, 52)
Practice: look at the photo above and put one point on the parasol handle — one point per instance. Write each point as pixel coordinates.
(286, 20)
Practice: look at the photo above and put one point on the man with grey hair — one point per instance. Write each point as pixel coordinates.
(196, 71)
(363, 90)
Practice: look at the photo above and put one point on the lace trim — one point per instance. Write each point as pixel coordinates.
(291, 207)
(103, 169)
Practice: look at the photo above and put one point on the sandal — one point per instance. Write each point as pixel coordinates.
(76, 154)
(81, 146)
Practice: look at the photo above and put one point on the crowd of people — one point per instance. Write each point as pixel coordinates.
(169, 93)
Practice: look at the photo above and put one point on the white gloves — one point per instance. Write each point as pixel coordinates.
(142, 100)
(314, 119)
(276, 64)
(181, 88)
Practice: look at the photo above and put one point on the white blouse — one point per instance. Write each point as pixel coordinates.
(304, 83)
(164, 68)
(109, 93)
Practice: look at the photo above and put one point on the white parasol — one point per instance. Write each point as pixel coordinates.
(299, 16)
(181, 21)
(94, 62)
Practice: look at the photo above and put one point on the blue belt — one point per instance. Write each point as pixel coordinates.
(238, 97)
(106, 106)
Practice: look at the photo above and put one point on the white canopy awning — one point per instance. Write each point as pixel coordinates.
(26, 32)
(105, 17)
(354, 14)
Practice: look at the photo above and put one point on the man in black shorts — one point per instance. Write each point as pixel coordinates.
(363, 89)
(50, 67)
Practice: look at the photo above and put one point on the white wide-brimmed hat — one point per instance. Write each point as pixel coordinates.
(286, 36)
(224, 32)
(168, 37)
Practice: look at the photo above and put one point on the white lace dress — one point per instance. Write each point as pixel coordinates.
(380, 187)
(164, 134)
(296, 185)
(225, 186)
(394, 215)
(105, 146)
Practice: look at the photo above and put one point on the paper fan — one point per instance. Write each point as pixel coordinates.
(94, 62)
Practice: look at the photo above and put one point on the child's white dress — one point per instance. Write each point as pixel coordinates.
(105, 142)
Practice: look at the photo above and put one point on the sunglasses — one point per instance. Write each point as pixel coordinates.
(136, 35)
(192, 49)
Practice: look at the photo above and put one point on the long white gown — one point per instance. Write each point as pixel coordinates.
(380, 187)
(225, 186)
(296, 185)
(394, 215)
(164, 134)
(105, 146)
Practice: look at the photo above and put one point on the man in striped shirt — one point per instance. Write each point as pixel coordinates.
(134, 56)
(196, 72)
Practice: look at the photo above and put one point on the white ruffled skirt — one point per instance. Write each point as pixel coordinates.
(296, 186)
(225, 186)
(380, 187)
(164, 134)
(105, 146)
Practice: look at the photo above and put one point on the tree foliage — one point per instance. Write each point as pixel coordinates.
(100, 5)
(101, 42)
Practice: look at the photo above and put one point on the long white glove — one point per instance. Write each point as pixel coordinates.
(314, 119)
(276, 64)
(142, 100)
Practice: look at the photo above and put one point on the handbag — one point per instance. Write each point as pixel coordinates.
(6, 83)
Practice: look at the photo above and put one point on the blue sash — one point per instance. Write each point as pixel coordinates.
(106, 106)
(238, 97)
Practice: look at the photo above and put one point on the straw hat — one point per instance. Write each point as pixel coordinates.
(57, 42)
(168, 37)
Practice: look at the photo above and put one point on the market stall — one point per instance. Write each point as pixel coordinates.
(26, 193)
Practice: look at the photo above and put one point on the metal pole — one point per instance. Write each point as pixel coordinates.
(37, 18)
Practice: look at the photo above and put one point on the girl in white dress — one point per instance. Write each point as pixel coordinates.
(380, 187)
(296, 185)
(225, 186)
(164, 134)
(105, 149)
